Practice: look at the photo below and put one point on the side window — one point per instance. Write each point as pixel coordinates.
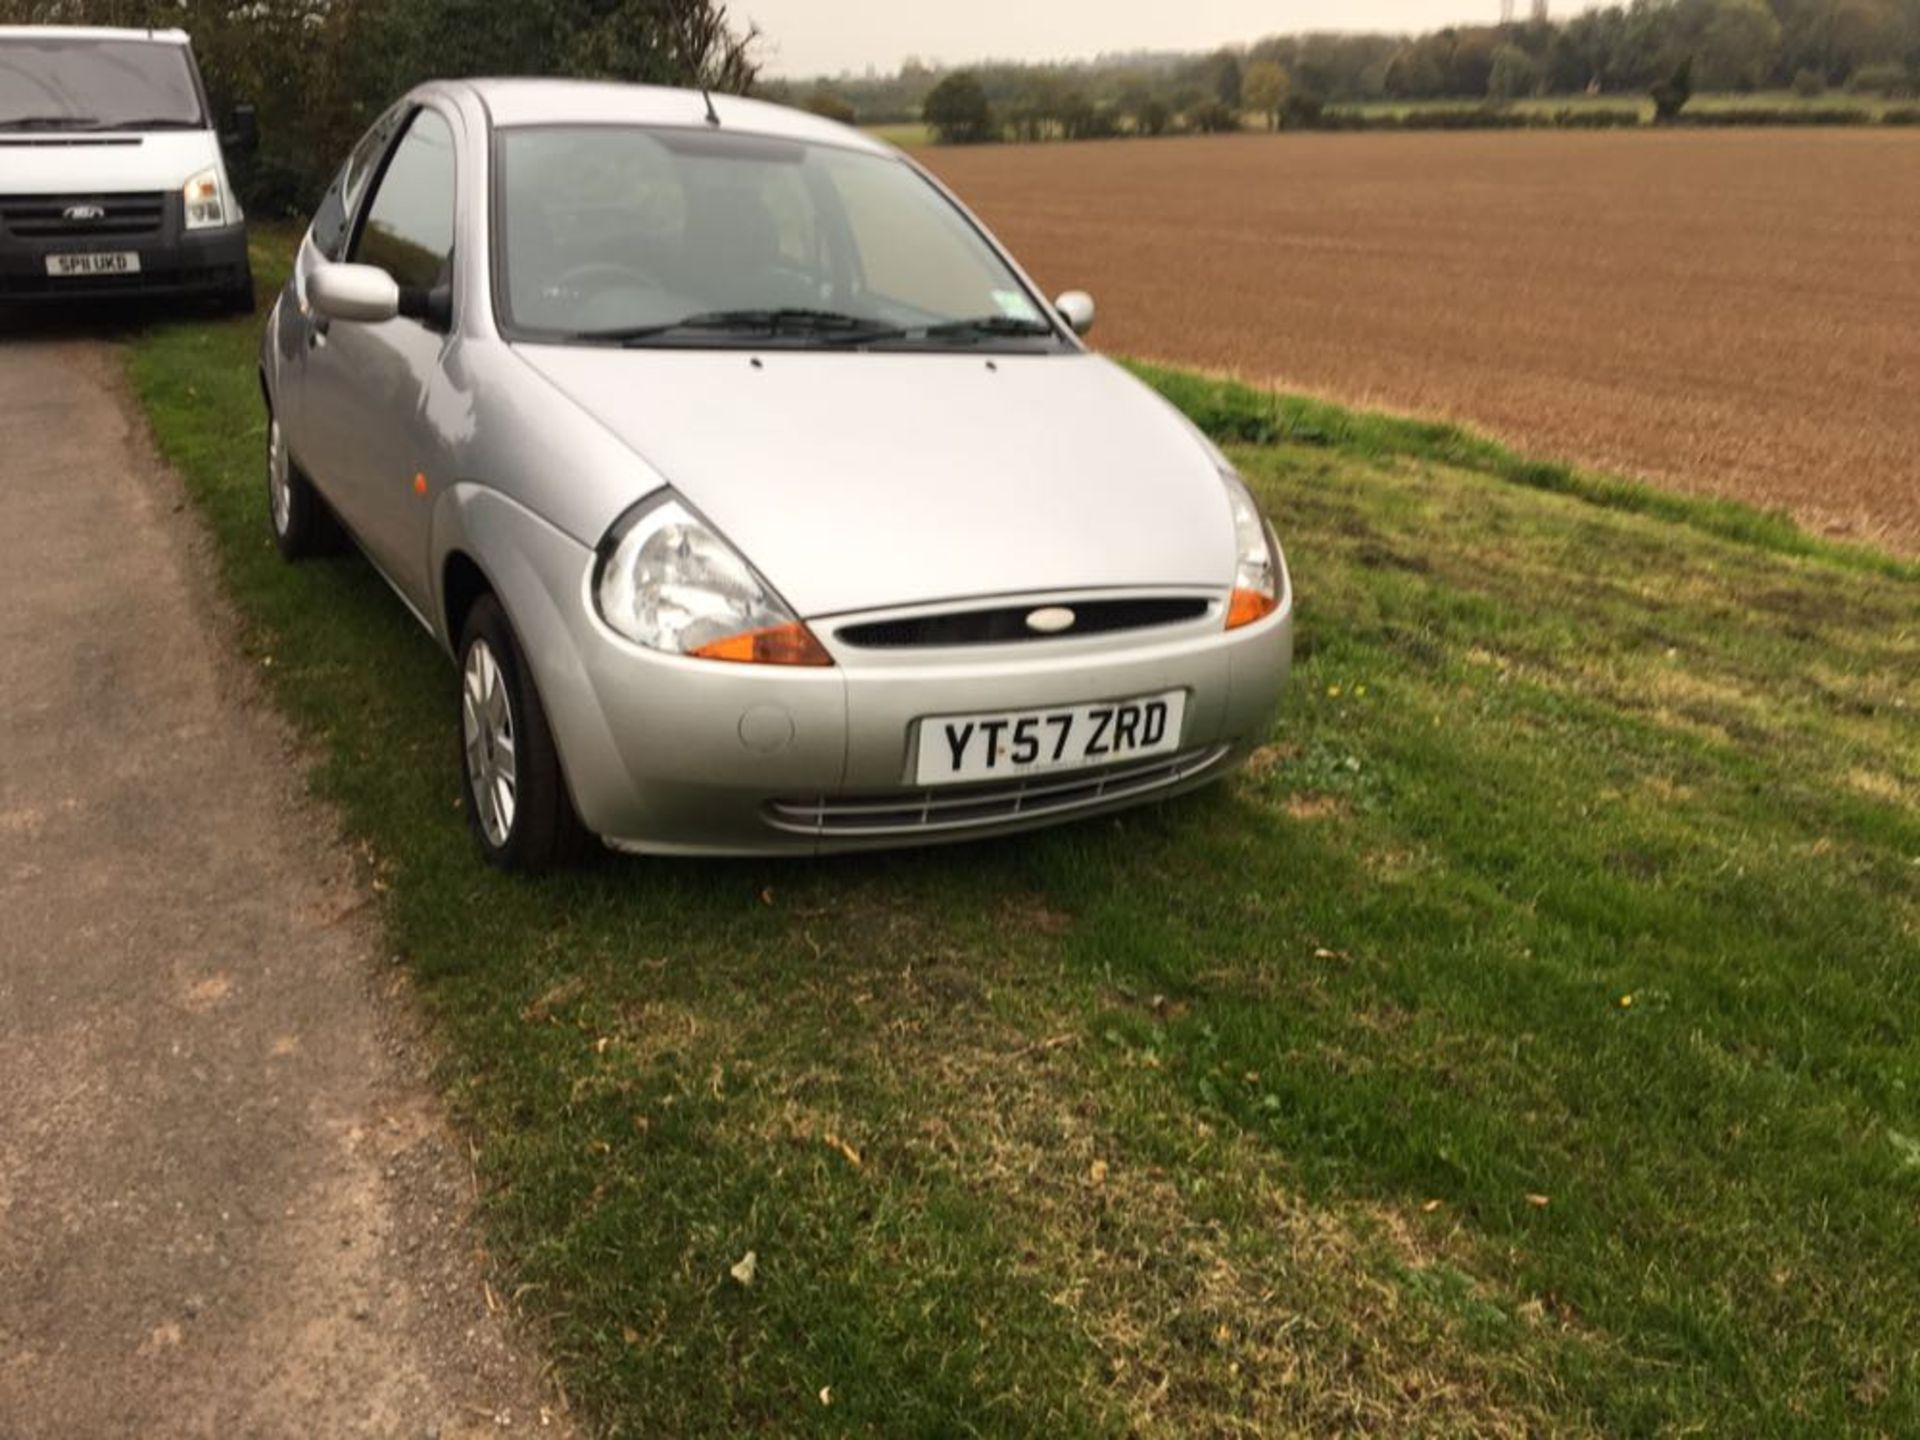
(409, 226)
(335, 215)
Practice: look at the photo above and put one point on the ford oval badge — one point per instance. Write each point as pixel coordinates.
(1051, 621)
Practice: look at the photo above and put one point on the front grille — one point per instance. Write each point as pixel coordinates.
(970, 807)
(45, 217)
(1007, 624)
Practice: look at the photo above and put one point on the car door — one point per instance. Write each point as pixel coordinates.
(299, 329)
(373, 447)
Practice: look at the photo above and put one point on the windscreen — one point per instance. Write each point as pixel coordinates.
(74, 84)
(705, 237)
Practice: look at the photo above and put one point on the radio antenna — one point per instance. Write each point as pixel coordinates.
(713, 115)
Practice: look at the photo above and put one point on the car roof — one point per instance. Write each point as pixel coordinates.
(90, 32)
(575, 102)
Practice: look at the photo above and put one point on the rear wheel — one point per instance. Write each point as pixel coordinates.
(517, 802)
(302, 524)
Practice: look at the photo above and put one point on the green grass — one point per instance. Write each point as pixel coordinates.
(1527, 1043)
(908, 135)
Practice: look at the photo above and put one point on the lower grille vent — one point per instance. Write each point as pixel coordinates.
(969, 807)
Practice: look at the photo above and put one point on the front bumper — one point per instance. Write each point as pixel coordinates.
(174, 261)
(672, 756)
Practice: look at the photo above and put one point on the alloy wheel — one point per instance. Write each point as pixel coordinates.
(486, 724)
(279, 478)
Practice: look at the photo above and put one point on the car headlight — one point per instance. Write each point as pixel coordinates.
(208, 201)
(668, 582)
(1260, 576)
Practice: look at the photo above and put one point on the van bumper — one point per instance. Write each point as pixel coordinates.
(174, 261)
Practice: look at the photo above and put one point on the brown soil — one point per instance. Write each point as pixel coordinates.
(1735, 313)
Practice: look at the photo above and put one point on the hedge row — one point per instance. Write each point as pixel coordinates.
(1597, 118)
(1792, 115)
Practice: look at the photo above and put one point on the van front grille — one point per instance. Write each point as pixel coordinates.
(82, 217)
(971, 807)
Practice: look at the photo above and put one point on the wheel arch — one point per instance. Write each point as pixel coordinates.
(462, 583)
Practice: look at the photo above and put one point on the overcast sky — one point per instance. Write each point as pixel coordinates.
(815, 37)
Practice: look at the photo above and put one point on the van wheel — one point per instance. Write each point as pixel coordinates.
(302, 524)
(517, 802)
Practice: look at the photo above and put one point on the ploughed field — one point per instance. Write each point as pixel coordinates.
(1737, 313)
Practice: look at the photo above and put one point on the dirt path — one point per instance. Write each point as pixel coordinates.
(228, 1203)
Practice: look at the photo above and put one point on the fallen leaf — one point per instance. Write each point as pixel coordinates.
(745, 1268)
(1098, 1173)
(853, 1155)
(766, 896)
(630, 1335)
(826, 1394)
(1539, 1202)
(1430, 1207)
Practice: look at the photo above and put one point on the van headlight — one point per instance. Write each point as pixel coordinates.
(667, 581)
(1260, 574)
(208, 201)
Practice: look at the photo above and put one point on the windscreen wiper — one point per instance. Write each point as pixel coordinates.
(50, 122)
(822, 324)
(156, 122)
(994, 326)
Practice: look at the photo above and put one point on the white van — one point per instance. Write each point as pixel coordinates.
(112, 179)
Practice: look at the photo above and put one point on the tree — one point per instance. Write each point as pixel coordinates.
(1225, 70)
(1470, 66)
(824, 103)
(1211, 117)
(957, 110)
(1514, 74)
(1738, 42)
(1671, 95)
(1265, 87)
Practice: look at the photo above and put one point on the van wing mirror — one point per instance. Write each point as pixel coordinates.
(362, 293)
(243, 131)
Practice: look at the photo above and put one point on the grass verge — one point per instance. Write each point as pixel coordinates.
(1526, 1043)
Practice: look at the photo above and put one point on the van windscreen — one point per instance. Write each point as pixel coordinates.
(67, 83)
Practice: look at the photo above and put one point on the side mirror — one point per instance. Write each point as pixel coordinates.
(363, 293)
(1076, 308)
(243, 131)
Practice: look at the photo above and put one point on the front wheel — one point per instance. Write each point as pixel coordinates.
(517, 802)
(302, 524)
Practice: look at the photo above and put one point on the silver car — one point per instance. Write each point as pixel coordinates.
(764, 504)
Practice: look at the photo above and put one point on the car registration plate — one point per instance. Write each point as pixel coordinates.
(117, 262)
(963, 749)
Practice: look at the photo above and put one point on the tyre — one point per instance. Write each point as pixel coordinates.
(237, 298)
(516, 793)
(302, 524)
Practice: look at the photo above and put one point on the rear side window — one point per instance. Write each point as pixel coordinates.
(409, 227)
(335, 215)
